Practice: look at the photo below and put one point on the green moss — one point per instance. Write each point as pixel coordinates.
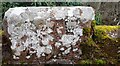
(86, 31)
(1, 32)
(99, 61)
(105, 28)
(90, 42)
(101, 32)
(93, 24)
(22, 63)
(85, 62)
(103, 46)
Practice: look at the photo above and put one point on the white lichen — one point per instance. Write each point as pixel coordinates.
(62, 49)
(75, 49)
(57, 44)
(67, 51)
(14, 57)
(27, 57)
(43, 54)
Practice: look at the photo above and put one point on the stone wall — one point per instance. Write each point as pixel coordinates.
(47, 33)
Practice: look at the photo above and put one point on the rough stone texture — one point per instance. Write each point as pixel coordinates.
(47, 32)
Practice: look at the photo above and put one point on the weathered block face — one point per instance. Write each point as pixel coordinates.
(50, 32)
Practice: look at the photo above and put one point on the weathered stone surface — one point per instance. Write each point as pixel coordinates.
(46, 30)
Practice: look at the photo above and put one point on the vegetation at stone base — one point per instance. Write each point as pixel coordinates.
(86, 31)
(93, 24)
(98, 18)
(107, 28)
(97, 61)
(1, 32)
(101, 32)
(103, 50)
(85, 62)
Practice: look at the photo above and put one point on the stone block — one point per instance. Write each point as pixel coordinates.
(49, 32)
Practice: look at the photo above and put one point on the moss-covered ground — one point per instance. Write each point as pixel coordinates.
(99, 47)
